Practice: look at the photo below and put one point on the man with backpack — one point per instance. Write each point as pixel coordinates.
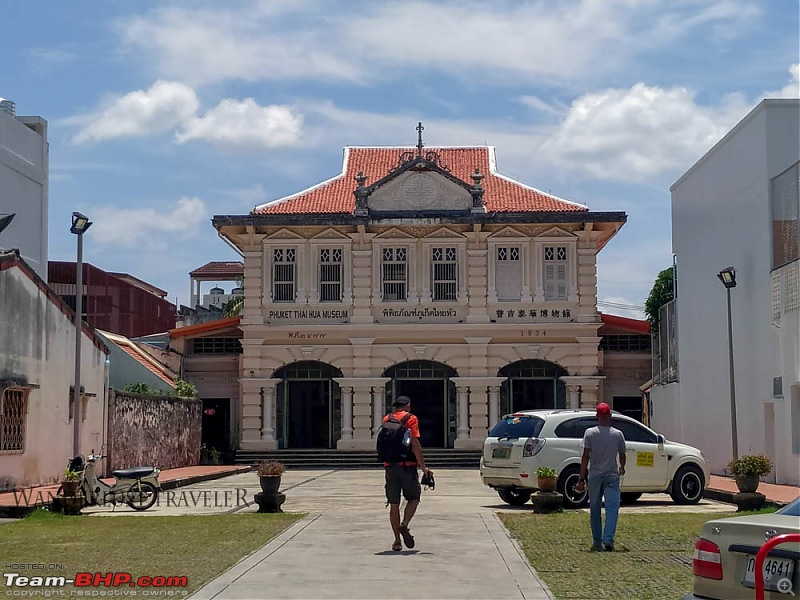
(401, 452)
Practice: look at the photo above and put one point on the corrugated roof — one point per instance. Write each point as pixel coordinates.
(637, 325)
(501, 194)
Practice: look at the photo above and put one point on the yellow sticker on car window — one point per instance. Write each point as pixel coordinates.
(644, 459)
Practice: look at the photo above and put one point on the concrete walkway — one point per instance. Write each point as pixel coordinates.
(342, 548)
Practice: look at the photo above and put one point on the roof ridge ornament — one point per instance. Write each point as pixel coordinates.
(428, 156)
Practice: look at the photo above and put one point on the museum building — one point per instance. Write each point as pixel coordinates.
(416, 271)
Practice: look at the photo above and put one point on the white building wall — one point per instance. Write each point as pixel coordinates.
(721, 218)
(38, 346)
(24, 166)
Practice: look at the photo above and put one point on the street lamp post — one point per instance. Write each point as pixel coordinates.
(80, 223)
(728, 278)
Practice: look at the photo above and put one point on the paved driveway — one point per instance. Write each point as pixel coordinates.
(342, 548)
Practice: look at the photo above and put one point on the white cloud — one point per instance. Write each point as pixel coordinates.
(142, 112)
(534, 40)
(129, 228)
(245, 124)
(792, 89)
(638, 133)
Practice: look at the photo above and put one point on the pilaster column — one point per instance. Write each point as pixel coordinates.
(589, 389)
(257, 413)
(582, 390)
(357, 411)
(462, 416)
(378, 408)
(347, 413)
(476, 416)
(494, 404)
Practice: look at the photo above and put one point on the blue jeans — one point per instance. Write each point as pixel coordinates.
(604, 487)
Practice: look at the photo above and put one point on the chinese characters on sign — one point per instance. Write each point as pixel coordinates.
(532, 313)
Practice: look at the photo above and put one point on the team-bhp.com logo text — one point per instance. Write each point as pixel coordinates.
(94, 584)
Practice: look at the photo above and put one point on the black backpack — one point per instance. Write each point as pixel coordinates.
(390, 441)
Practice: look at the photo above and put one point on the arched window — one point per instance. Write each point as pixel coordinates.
(531, 385)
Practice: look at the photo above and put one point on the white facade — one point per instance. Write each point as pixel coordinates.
(24, 165)
(721, 217)
(36, 374)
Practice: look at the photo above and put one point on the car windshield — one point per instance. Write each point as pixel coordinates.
(517, 426)
(792, 509)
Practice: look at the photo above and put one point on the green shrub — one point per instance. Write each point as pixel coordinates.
(750, 464)
(546, 472)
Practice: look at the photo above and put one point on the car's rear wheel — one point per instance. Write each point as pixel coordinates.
(514, 497)
(629, 497)
(688, 485)
(566, 487)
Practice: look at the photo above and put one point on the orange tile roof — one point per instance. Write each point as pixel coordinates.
(501, 194)
(219, 324)
(636, 325)
(146, 363)
(220, 269)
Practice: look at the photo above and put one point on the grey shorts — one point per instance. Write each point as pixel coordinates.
(402, 478)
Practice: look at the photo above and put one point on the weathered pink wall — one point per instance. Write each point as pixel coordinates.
(157, 431)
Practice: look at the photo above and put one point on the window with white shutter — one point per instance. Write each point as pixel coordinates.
(555, 272)
(444, 274)
(394, 273)
(283, 274)
(508, 274)
(330, 274)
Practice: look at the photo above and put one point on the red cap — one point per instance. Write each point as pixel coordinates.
(603, 409)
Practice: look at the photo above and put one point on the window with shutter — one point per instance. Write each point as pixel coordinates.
(283, 274)
(330, 275)
(444, 275)
(555, 272)
(12, 420)
(394, 274)
(507, 276)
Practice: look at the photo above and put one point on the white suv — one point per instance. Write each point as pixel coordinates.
(522, 442)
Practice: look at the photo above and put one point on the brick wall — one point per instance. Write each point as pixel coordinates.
(158, 431)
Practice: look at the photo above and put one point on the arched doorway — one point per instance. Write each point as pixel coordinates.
(531, 385)
(433, 398)
(308, 407)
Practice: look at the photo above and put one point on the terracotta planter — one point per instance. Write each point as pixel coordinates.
(546, 484)
(270, 484)
(747, 483)
(70, 488)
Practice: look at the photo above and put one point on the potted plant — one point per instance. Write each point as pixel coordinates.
(748, 469)
(269, 473)
(71, 482)
(546, 479)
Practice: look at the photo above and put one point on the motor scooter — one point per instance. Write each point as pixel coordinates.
(137, 487)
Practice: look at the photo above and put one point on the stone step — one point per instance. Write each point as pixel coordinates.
(339, 459)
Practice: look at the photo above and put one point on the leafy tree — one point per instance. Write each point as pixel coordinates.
(659, 296)
(185, 389)
(234, 306)
(139, 388)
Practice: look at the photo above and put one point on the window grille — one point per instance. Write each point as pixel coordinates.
(626, 343)
(395, 272)
(330, 275)
(555, 272)
(507, 273)
(12, 420)
(445, 267)
(283, 274)
(216, 345)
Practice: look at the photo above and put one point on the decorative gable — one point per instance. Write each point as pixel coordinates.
(444, 233)
(331, 234)
(284, 234)
(507, 232)
(419, 191)
(395, 233)
(555, 232)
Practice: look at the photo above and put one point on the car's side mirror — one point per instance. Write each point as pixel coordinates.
(661, 439)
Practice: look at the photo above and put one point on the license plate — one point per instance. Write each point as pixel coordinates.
(501, 452)
(775, 569)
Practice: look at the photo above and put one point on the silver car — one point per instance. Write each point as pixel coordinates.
(725, 556)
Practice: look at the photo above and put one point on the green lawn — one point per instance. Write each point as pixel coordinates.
(198, 547)
(652, 561)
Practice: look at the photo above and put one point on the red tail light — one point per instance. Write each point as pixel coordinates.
(706, 561)
(532, 447)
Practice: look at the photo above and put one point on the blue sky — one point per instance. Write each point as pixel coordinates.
(162, 114)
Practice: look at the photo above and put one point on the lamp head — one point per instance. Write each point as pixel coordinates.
(728, 277)
(80, 223)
